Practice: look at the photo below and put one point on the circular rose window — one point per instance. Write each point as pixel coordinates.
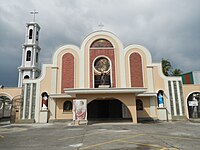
(102, 65)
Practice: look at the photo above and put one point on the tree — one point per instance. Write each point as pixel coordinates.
(168, 69)
(177, 72)
(166, 66)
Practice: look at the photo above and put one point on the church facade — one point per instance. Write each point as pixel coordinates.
(117, 82)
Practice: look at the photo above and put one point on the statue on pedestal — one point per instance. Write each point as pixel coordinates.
(45, 97)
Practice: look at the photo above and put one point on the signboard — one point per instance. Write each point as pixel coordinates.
(80, 110)
(193, 103)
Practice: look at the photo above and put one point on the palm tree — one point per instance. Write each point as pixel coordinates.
(166, 67)
(177, 72)
(168, 70)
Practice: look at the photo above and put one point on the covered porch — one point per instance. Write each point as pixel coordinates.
(103, 103)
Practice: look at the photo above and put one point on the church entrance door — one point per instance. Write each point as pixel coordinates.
(106, 110)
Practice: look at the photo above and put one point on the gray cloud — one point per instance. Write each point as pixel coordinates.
(168, 28)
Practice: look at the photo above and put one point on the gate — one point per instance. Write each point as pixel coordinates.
(15, 109)
(5, 107)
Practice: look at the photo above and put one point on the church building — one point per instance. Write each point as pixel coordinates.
(118, 83)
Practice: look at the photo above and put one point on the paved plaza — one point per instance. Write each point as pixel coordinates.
(102, 136)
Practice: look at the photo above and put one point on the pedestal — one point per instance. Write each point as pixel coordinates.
(162, 113)
(43, 116)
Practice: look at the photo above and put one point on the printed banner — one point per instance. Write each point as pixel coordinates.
(80, 109)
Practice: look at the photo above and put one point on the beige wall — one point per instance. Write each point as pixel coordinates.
(13, 93)
(158, 81)
(127, 99)
(45, 84)
(189, 88)
(59, 110)
(145, 113)
(10, 92)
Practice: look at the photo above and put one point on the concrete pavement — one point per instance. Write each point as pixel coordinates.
(101, 136)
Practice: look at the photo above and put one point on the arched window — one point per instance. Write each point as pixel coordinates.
(67, 106)
(136, 70)
(36, 57)
(37, 35)
(102, 67)
(139, 104)
(26, 77)
(68, 71)
(30, 36)
(28, 56)
(101, 43)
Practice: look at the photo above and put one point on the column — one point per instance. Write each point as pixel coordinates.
(33, 56)
(52, 104)
(34, 34)
(26, 35)
(81, 69)
(173, 98)
(52, 109)
(33, 74)
(130, 102)
(152, 106)
(23, 56)
(54, 81)
(179, 98)
(24, 104)
(123, 72)
(30, 102)
(20, 79)
(150, 79)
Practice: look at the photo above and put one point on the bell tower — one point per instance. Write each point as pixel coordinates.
(29, 68)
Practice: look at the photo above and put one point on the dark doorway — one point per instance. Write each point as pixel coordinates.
(5, 108)
(193, 103)
(105, 110)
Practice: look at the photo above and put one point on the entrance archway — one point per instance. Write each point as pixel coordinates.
(105, 110)
(5, 107)
(15, 109)
(193, 103)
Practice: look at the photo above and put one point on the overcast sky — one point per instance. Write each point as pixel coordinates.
(169, 29)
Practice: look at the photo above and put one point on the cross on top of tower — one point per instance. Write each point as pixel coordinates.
(34, 12)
